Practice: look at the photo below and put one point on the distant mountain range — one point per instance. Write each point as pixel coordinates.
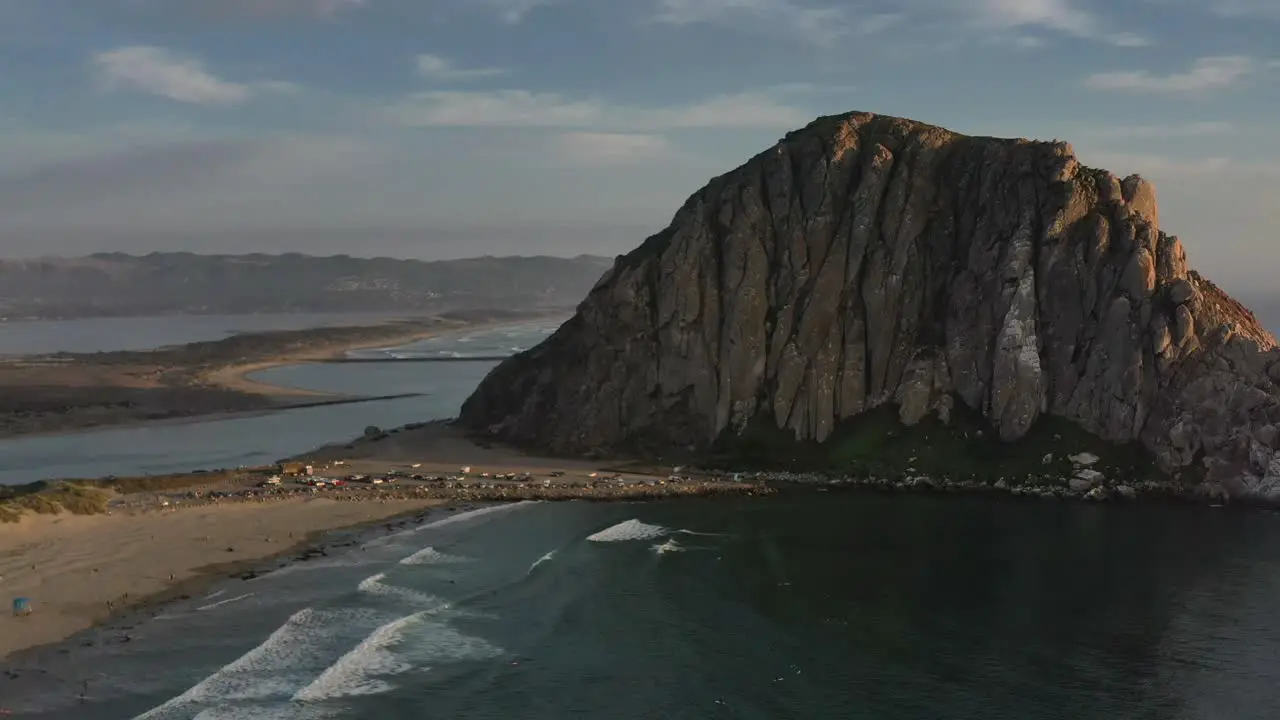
(117, 284)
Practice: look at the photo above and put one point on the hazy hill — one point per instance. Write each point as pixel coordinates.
(116, 284)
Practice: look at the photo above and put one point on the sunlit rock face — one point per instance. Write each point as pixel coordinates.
(866, 260)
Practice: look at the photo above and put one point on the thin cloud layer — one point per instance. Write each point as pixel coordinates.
(612, 149)
(1205, 74)
(158, 71)
(248, 9)
(824, 24)
(435, 67)
(1061, 16)
(524, 108)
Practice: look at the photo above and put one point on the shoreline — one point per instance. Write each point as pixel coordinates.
(489, 475)
(54, 621)
(164, 537)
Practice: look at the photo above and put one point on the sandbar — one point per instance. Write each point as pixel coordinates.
(63, 392)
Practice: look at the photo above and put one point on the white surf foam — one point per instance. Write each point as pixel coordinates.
(629, 530)
(215, 594)
(666, 547)
(544, 558)
(220, 603)
(311, 565)
(477, 513)
(451, 520)
(258, 673)
(374, 585)
(357, 672)
(413, 641)
(288, 711)
(430, 556)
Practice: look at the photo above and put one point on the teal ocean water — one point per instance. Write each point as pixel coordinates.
(806, 606)
(816, 605)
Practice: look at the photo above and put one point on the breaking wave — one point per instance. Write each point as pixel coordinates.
(430, 556)
(374, 585)
(220, 603)
(411, 642)
(450, 520)
(256, 674)
(356, 673)
(667, 547)
(544, 558)
(629, 530)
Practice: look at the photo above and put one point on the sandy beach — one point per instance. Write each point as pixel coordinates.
(79, 570)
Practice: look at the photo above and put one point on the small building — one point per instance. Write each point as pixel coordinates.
(296, 468)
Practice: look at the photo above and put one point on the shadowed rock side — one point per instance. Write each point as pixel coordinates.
(869, 260)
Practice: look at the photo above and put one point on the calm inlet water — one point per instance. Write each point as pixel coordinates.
(174, 447)
(821, 606)
(818, 606)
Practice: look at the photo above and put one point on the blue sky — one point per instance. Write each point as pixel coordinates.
(440, 128)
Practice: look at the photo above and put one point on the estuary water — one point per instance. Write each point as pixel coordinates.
(257, 439)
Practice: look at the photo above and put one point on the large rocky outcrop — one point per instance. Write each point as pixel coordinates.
(869, 260)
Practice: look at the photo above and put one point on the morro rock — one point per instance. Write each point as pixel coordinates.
(869, 261)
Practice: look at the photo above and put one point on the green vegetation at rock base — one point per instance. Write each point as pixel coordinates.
(877, 444)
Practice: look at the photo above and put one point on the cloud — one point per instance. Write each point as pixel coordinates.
(808, 88)
(1245, 8)
(511, 108)
(1158, 166)
(1205, 74)
(610, 149)
(512, 11)
(826, 24)
(1197, 129)
(522, 108)
(819, 24)
(438, 68)
(103, 176)
(1061, 16)
(157, 71)
(162, 179)
(251, 9)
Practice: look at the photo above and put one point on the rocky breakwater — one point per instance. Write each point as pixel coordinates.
(874, 294)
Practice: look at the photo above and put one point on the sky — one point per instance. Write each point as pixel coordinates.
(449, 128)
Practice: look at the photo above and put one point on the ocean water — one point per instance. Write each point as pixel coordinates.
(805, 606)
(204, 443)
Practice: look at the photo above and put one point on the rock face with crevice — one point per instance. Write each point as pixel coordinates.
(868, 260)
